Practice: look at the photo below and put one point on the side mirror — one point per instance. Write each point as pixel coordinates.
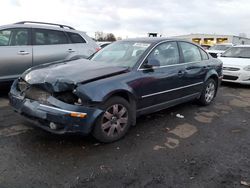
(219, 55)
(150, 63)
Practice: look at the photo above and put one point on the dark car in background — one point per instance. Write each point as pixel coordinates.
(126, 79)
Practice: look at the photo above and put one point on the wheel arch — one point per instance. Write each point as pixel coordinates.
(128, 97)
(213, 75)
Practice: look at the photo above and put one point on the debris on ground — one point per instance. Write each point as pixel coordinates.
(167, 129)
(179, 116)
(157, 147)
(245, 183)
(137, 134)
(118, 148)
(96, 144)
(172, 143)
(105, 168)
(236, 130)
(184, 131)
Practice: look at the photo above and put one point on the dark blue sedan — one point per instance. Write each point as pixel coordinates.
(105, 94)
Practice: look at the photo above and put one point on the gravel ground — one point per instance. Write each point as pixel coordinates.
(209, 147)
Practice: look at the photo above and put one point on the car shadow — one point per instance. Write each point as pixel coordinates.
(4, 90)
(235, 85)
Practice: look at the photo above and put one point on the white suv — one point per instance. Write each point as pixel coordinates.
(26, 44)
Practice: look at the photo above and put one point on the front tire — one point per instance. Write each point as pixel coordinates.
(114, 123)
(208, 93)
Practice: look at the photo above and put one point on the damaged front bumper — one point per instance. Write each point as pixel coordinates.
(55, 116)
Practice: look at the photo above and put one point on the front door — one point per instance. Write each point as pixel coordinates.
(161, 84)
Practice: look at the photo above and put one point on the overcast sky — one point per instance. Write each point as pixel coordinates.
(135, 17)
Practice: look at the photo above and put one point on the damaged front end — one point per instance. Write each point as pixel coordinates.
(55, 111)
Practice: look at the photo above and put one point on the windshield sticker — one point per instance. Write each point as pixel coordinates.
(142, 45)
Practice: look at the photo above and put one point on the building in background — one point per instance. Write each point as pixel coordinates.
(212, 39)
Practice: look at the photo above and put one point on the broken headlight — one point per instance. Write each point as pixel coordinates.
(67, 97)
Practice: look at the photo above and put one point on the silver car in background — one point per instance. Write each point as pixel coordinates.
(27, 44)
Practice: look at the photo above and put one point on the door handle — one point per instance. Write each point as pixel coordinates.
(181, 73)
(206, 67)
(23, 53)
(70, 50)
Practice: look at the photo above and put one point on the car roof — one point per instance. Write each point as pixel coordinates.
(40, 26)
(224, 44)
(246, 46)
(153, 39)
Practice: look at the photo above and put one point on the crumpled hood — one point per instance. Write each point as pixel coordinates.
(64, 76)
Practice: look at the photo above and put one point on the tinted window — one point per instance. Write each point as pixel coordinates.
(190, 52)
(204, 55)
(241, 52)
(76, 38)
(4, 37)
(14, 37)
(49, 37)
(166, 53)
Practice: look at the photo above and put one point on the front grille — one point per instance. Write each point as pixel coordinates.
(228, 77)
(213, 55)
(231, 69)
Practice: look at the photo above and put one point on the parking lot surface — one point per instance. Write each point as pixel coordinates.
(200, 147)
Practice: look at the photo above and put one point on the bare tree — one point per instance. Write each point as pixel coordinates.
(110, 37)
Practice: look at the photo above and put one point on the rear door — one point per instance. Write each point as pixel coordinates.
(50, 46)
(195, 61)
(83, 48)
(15, 52)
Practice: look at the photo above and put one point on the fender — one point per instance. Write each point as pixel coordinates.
(101, 90)
(211, 73)
(97, 92)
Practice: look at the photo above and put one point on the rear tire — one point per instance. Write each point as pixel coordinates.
(114, 123)
(208, 93)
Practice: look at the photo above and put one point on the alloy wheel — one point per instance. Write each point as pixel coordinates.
(210, 92)
(114, 120)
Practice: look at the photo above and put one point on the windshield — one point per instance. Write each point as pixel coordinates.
(220, 47)
(122, 53)
(243, 52)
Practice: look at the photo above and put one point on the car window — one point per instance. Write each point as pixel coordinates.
(121, 53)
(14, 37)
(204, 55)
(238, 52)
(5, 37)
(190, 52)
(76, 38)
(166, 53)
(49, 37)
